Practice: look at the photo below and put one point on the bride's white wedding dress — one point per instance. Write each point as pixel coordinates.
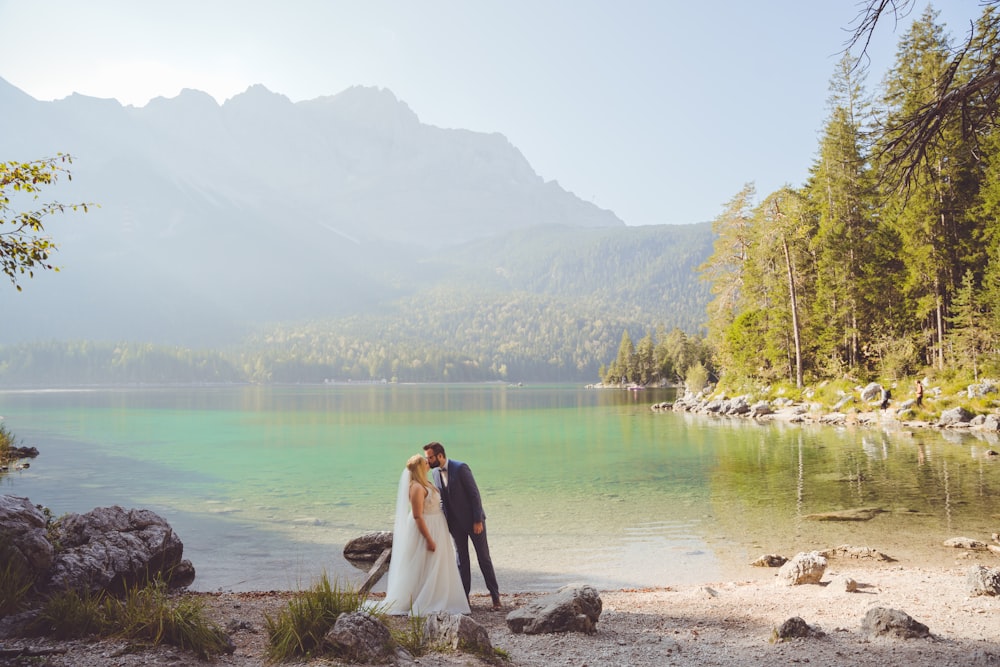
(423, 582)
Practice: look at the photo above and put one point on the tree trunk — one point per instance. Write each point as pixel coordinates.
(795, 312)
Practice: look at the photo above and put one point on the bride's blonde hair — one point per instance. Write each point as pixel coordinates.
(417, 465)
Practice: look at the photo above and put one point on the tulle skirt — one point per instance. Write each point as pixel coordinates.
(423, 582)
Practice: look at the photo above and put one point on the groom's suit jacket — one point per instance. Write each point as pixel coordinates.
(462, 503)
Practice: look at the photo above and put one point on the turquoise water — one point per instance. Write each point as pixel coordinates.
(266, 484)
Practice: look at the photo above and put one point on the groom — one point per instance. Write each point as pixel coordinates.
(466, 518)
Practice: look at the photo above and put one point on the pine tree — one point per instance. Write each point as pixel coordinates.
(929, 217)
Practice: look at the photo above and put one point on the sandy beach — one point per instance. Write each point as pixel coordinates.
(726, 623)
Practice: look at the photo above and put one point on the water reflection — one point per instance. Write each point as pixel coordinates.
(578, 484)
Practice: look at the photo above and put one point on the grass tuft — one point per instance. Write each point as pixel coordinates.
(299, 628)
(16, 581)
(412, 636)
(146, 613)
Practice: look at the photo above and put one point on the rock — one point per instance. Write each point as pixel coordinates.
(871, 392)
(23, 531)
(856, 514)
(770, 560)
(955, 416)
(360, 637)
(458, 632)
(983, 580)
(804, 568)
(796, 627)
(842, 584)
(885, 622)
(991, 423)
(364, 550)
(113, 549)
(860, 553)
(981, 389)
(760, 408)
(570, 609)
(965, 543)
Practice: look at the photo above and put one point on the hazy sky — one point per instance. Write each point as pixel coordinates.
(659, 110)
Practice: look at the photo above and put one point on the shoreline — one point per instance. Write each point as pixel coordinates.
(728, 622)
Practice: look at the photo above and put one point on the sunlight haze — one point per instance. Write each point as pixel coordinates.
(658, 111)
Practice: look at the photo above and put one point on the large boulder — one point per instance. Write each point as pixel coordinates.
(570, 609)
(114, 549)
(23, 534)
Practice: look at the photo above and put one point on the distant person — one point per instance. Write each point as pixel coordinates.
(886, 395)
(466, 519)
(423, 575)
(920, 393)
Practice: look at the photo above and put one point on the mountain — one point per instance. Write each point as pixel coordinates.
(214, 220)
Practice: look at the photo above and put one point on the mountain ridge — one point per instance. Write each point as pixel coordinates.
(215, 218)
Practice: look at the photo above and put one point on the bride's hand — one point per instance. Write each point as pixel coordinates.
(431, 546)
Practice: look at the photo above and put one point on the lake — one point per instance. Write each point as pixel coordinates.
(265, 484)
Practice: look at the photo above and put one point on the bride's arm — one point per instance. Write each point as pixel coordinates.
(417, 496)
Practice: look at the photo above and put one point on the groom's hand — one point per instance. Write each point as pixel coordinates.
(477, 527)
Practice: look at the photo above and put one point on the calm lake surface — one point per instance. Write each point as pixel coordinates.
(265, 485)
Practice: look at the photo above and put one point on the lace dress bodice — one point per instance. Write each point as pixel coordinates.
(432, 503)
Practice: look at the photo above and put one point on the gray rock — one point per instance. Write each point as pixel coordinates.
(871, 392)
(842, 402)
(983, 580)
(981, 389)
(23, 531)
(760, 408)
(991, 423)
(953, 416)
(885, 622)
(965, 543)
(364, 550)
(570, 609)
(113, 549)
(458, 632)
(360, 637)
(796, 627)
(770, 560)
(804, 568)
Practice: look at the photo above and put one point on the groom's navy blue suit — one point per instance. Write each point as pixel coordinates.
(463, 507)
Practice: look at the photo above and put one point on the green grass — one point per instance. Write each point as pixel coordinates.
(299, 628)
(411, 636)
(15, 580)
(146, 613)
(7, 441)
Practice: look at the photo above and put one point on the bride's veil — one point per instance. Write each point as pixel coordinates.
(402, 521)
(401, 580)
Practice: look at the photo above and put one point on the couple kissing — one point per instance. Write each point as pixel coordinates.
(438, 511)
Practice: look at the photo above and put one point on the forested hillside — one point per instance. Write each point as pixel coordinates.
(546, 304)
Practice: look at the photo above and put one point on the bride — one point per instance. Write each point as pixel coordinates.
(423, 573)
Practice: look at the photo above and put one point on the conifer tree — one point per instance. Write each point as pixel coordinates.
(929, 216)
